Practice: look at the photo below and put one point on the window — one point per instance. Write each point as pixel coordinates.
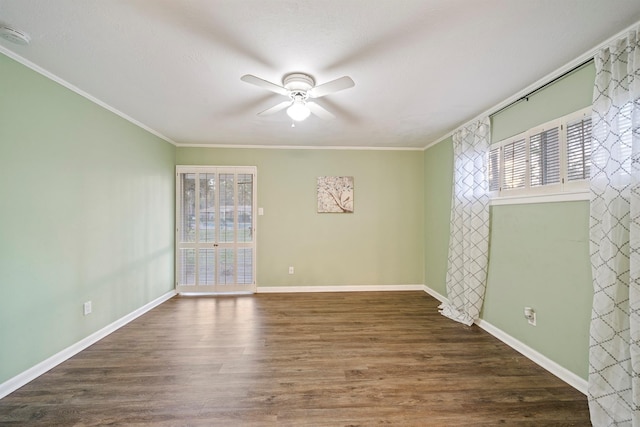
(544, 157)
(494, 169)
(514, 165)
(549, 159)
(578, 148)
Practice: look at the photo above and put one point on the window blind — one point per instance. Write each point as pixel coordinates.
(515, 164)
(544, 157)
(578, 149)
(494, 169)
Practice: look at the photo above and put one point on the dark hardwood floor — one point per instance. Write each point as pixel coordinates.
(321, 359)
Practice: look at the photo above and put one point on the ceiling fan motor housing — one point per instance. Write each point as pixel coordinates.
(298, 82)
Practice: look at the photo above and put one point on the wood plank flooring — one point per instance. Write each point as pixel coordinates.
(322, 359)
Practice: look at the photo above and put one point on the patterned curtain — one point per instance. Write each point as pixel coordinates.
(469, 240)
(614, 352)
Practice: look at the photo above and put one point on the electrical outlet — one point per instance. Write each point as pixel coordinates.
(290, 270)
(87, 307)
(530, 315)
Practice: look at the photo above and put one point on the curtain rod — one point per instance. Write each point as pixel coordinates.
(549, 83)
(582, 60)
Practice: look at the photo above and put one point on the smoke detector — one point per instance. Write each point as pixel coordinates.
(14, 36)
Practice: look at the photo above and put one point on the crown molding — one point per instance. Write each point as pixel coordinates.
(543, 81)
(77, 90)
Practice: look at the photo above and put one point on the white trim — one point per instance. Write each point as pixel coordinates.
(141, 125)
(300, 147)
(80, 92)
(338, 288)
(542, 198)
(209, 168)
(540, 83)
(435, 294)
(564, 374)
(32, 373)
(214, 294)
(439, 140)
(12, 384)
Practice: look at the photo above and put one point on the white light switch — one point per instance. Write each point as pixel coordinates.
(260, 211)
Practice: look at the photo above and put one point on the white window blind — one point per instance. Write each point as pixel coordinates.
(578, 149)
(515, 164)
(494, 169)
(544, 157)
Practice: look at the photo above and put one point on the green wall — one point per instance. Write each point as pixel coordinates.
(381, 243)
(565, 96)
(540, 258)
(438, 171)
(86, 213)
(539, 255)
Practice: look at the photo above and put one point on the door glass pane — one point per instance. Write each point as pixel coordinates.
(188, 203)
(187, 267)
(245, 266)
(225, 266)
(206, 267)
(245, 207)
(227, 207)
(207, 207)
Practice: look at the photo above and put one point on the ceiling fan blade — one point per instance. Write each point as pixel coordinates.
(249, 106)
(275, 108)
(331, 87)
(248, 78)
(196, 19)
(345, 114)
(320, 111)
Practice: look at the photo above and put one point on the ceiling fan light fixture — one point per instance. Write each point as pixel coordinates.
(298, 111)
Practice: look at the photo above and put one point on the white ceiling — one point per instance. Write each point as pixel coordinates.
(421, 67)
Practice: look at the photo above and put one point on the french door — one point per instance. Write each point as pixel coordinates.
(215, 229)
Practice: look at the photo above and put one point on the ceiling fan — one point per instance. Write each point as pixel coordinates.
(299, 88)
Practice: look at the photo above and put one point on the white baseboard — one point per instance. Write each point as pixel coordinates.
(435, 294)
(25, 377)
(356, 288)
(32, 373)
(564, 374)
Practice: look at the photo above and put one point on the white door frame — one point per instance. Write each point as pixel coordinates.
(217, 245)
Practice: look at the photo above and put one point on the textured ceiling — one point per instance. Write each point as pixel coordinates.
(421, 67)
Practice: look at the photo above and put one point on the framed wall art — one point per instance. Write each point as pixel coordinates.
(335, 194)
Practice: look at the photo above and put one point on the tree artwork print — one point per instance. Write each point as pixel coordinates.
(335, 194)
